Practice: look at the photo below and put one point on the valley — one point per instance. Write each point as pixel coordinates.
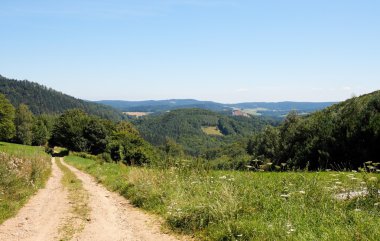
(269, 109)
(190, 173)
(189, 120)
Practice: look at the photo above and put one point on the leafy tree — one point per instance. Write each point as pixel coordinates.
(266, 143)
(127, 146)
(250, 147)
(40, 133)
(24, 124)
(7, 115)
(95, 133)
(127, 127)
(172, 148)
(68, 131)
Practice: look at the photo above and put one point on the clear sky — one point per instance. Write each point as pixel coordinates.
(221, 50)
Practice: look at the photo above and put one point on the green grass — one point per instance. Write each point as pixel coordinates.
(22, 150)
(212, 130)
(230, 205)
(254, 111)
(78, 198)
(23, 170)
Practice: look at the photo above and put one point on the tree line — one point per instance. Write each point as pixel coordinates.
(19, 125)
(39, 100)
(343, 136)
(75, 130)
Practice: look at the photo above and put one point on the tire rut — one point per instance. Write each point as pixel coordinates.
(41, 217)
(114, 218)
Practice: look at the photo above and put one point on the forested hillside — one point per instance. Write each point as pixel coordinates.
(43, 100)
(163, 105)
(274, 109)
(345, 135)
(189, 127)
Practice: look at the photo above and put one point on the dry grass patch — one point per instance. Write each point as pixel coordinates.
(212, 130)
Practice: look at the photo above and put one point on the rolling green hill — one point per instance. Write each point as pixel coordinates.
(191, 128)
(43, 100)
(345, 135)
(273, 109)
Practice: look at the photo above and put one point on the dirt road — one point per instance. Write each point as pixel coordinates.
(40, 218)
(112, 216)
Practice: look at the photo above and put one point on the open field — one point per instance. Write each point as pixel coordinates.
(137, 114)
(229, 205)
(212, 130)
(22, 150)
(254, 111)
(23, 170)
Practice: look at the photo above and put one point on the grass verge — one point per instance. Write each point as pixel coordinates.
(78, 198)
(23, 170)
(231, 205)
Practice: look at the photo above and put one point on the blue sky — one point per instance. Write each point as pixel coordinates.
(221, 50)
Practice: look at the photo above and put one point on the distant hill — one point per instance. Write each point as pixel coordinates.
(274, 109)
(41, 99)
(197, 129)
(163, 105)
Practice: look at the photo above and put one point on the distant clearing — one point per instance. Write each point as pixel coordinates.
(254, 111)
(137, 114)
(212, 130)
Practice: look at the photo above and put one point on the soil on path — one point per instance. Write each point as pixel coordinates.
(40, 218)
(114, 218)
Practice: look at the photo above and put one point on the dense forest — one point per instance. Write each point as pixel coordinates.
(164, 105)
(43, 100)
(75, 130)
(184, 126)
(345, 135)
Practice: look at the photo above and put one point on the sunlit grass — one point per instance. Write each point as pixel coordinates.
(230, 205)
(23, 170)
(212, 130)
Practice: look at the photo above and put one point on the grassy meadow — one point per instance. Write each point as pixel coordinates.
(212, 130)
(23, 170)
(231, 205)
